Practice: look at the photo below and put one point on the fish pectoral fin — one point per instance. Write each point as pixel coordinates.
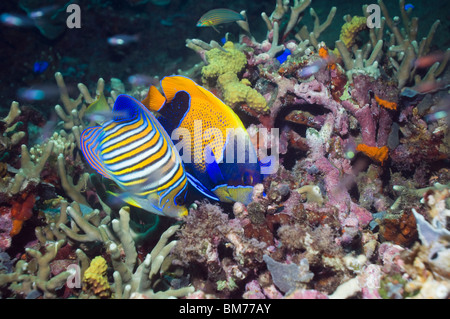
(200, 187)
(150, 203)
(214, 173)
(171, 85)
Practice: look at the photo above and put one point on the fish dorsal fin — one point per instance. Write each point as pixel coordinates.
(174, 112)
(89, 141)
(126, 107)
(154, 100)
(172, 84)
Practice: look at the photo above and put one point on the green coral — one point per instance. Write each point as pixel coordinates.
(236, 92)
(227, 60)
(224, 65)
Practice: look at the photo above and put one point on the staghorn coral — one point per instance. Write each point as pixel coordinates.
(37, 273)
(404, 47)
(11, 134)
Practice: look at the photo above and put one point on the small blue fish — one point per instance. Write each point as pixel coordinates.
(409, 6)
(135, 151)
(40, 66)
(283, 56)
(38, 92)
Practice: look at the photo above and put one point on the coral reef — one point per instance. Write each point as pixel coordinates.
(357, 207)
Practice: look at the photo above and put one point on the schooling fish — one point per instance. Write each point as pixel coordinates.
(134, 151)
(219, 16)
(212, 134)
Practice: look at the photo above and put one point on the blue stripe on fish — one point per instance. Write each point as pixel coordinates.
(136, 152)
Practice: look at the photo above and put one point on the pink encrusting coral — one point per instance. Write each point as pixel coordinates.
(356, 207)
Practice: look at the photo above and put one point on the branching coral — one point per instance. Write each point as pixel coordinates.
(37, 272)
(404, 47)
(9, 128)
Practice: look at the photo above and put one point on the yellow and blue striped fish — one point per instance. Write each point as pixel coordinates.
(219, 16)
(134, 151)
(186, 103)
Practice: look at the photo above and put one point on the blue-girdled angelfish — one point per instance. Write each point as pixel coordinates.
(135, 151)
(218, 16)
(220, 159)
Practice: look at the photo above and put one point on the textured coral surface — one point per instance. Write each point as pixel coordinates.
(355, 119)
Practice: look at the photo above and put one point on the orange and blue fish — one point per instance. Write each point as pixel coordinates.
(135, 151)
(219, 16)
(210, 168)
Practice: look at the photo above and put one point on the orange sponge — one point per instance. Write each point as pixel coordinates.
(386, 104)
(379, 154)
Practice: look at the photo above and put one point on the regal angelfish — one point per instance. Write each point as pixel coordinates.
(134, 151)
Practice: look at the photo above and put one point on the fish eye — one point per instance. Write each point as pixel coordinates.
(247, 178)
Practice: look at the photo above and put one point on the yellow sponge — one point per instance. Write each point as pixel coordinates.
(236, 92)
(223, 61)
(351, 29)
(95, 280)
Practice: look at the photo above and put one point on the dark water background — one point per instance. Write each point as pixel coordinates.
(83, 55)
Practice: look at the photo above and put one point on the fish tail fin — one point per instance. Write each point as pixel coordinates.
(154, 100)
(89, 141)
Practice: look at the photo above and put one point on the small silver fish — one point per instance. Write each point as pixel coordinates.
(123, 39)
(142, 80)
(16, 20)
(313, 68)
(39, 13)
